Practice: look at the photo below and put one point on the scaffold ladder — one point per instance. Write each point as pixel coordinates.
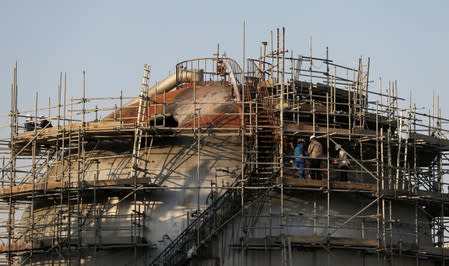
(404, 124)
(267, 151)
(360, 99)
(140, 121)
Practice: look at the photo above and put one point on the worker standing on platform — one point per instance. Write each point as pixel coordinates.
(342, 163)
(44, 123)
(315, 150)
(29, 123)
(299, 154)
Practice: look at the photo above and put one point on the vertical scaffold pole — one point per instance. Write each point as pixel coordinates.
(328, 196)
(242, 120)
(281, 129)
(12, 174)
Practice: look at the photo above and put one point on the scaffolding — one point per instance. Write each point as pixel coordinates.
(55, 205)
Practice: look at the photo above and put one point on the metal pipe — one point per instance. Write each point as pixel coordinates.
(327, 165)
(281, 127)
(242, 120)
(171, 81)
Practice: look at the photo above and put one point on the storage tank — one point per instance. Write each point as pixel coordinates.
(200, 170)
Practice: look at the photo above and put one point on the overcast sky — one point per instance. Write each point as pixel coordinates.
(407, 41)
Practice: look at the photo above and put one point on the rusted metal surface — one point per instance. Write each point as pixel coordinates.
(200, 105)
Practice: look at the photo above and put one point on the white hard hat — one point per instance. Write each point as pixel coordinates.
(337, 147)
(312, 137)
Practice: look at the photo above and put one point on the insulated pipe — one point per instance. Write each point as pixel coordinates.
(165, 85)
(171, 81)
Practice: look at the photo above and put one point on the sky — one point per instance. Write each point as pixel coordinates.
(407, 41)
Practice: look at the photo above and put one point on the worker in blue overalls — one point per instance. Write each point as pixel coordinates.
(299, 154)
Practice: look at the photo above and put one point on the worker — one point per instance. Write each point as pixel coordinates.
(29, 123)
(221, 68)
(342, 163)
(299, 154)
(315, 150)
(44, 123)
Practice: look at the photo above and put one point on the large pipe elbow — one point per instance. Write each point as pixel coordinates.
(189, 75)
(171, 81)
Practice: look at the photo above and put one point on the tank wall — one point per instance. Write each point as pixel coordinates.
(305, 214)
(311, 257)
(230, 248)
(90, 256)
(152, 218)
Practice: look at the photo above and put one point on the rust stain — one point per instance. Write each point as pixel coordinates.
(217, 108)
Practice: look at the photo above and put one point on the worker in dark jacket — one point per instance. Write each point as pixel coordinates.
(44, 123)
